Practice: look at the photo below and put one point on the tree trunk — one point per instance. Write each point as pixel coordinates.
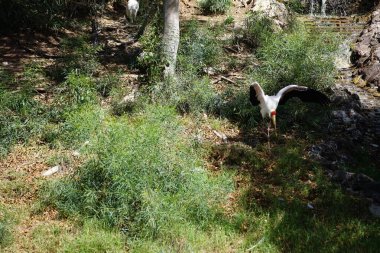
(170, 39)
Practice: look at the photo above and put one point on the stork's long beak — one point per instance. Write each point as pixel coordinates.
(273, 119)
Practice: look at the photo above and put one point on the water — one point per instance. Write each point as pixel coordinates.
(342, 59)
(323, 8)
(311, 7)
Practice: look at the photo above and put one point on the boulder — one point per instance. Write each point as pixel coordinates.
(366, 52)
(274, 10)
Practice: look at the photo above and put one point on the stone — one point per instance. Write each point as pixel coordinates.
(375, 210)
(274, 10)
(366, 52)
(51, 171)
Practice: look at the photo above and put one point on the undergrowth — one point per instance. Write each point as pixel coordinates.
(144, 177)
(295, 56)
(5, 227)
(214, 6)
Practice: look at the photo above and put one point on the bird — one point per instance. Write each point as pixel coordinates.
(132, 9)
(268, 104)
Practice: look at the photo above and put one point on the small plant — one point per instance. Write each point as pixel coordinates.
(198, 48)
(214, 6)
(296, 6)
(293, 56)
(106, 83)
(150, 60)
(21, 116)
(143, 177)
(93, 238)
(229, 20)
(5, 225)
(80, 88)
(259, 31)
(79, 56)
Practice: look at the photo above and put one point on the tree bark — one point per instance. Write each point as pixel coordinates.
(170, 38)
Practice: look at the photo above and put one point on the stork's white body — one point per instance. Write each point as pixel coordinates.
(269, 104)
(132, 9)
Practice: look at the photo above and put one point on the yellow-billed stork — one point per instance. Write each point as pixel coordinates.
(269, 104)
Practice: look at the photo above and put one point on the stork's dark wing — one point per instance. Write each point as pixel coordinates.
(307, 95)
(252, 96)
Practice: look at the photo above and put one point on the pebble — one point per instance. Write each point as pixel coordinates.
(51, 171)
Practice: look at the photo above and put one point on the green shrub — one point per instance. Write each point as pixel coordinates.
(93, 238)
(297, 56)
(296, 6)
(79, 56)
(188, 93)
(21, 116)
(237, 107)
(214, 6)
(79, 89)
(106, 83)
(150, 60)
(199, 48)
(144, 176)
(259, 30)
(5, 226)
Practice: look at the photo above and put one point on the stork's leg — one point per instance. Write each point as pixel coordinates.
(268, 134)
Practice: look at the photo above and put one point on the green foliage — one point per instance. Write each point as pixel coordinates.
(21, 116)
(93, 238)
(81, 124)
(43, 14)
(198, 48)
(150, 60)
(80, 89)
(188, 93)
(106, 83)
(259, 30)
(144, 176)
(296, 6)
(214, 6)
(238, 108)
(296, 56)
(79, 56)
(5, 227)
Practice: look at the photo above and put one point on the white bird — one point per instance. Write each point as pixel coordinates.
(132, 9)
(269, 104)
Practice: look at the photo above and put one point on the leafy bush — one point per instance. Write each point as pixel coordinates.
(214, 6)
(198, 48)
(79, 56)
(43, 14)
(296, 6)
(188, 93)
(297, 56)
(21, 116)
(80, 89)
(150, 60)
(94, 239)
(143, 177)
(5, 234)
(259, 30)
(237, 107)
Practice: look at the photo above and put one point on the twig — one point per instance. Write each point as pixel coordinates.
(231, 49)
(227, 79)
(220, 135)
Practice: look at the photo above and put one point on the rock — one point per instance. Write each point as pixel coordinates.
(375, 210)
(274, 10)
(51, 171)
(366, 52)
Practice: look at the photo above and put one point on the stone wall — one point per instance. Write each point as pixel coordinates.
(366, 54)
(342, 7)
